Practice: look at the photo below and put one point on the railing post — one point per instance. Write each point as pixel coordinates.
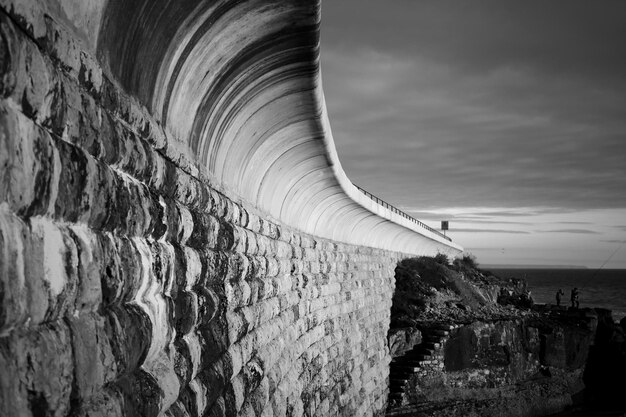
(400, 212)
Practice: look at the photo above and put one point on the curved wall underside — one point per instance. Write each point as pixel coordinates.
(238, 84)
(177, 237)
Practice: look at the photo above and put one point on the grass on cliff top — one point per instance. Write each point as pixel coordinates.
(434, 283)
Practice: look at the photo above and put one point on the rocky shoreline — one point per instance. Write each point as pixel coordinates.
(467, 343)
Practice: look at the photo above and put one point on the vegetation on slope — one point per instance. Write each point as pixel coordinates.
(433, 288)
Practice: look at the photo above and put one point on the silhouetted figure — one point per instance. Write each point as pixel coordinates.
(559, 294)
(574, 298)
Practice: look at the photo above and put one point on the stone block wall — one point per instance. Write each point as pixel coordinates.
(130, 285)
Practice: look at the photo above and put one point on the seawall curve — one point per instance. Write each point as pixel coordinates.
(174, 241)
(238, 84)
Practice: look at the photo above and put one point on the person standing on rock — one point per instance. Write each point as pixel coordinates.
(574, 298)
(559, 294)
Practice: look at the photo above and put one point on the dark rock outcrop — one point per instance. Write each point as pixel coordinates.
(605, 373)
(482, 353)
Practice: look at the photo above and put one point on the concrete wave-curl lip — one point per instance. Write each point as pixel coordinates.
(238, 82)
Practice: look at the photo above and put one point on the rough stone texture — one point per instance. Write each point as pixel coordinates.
(131, 285)
(529, 367)
(478, 358)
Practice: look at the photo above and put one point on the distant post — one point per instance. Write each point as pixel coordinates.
(444, 226)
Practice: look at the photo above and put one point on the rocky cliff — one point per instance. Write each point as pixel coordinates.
(466, 344)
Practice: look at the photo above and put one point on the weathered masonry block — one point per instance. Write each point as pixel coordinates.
(140, 275)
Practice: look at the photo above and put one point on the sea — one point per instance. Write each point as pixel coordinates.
(605, 288)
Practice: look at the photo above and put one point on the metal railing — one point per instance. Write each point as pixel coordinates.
(400, 212)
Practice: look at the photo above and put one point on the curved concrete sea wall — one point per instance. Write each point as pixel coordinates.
(177, 236)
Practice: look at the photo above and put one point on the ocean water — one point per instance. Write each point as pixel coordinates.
(604, 288)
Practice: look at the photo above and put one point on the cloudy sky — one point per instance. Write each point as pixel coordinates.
(507, 118)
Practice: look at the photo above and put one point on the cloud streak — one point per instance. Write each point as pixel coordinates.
(468, 121)
(574, 231)
(468, 230)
